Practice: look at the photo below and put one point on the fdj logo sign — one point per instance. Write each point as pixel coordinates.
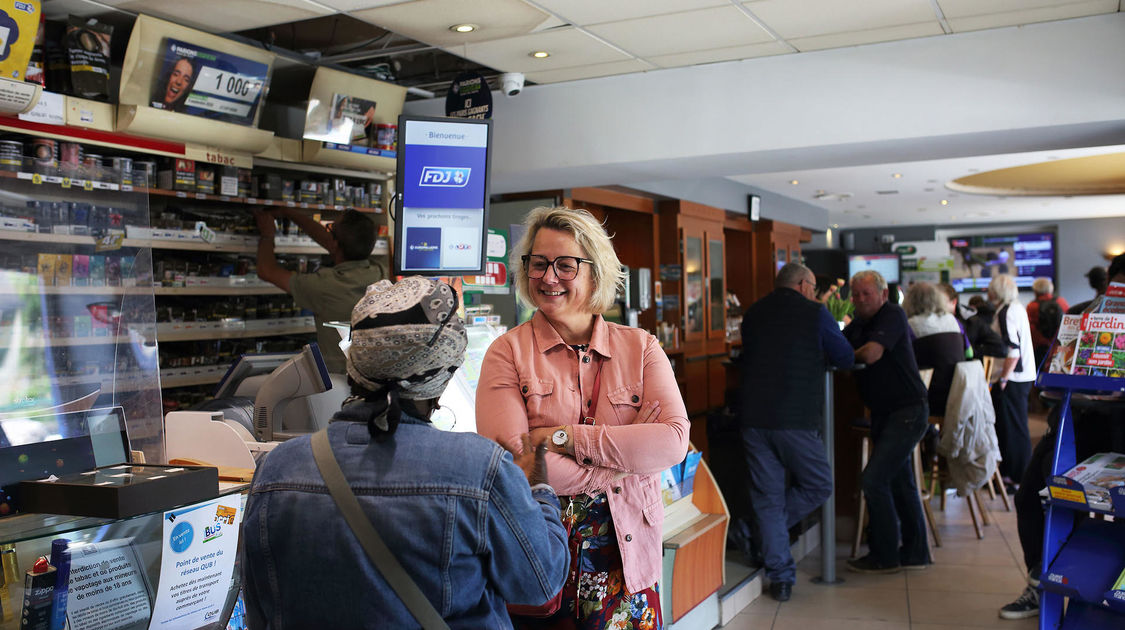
(444, 177)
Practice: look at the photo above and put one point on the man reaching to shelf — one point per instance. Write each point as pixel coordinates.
(330, 292)
(788, 340)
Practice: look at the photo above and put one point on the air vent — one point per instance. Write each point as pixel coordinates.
(831, 196)
(886, 192)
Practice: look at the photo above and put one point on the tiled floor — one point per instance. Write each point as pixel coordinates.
(965, 587)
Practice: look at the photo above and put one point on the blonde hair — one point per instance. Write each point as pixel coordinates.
(924, 298)
(1043, 286)
(1003, 288)
(590, 235)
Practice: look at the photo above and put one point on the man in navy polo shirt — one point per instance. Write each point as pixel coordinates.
(892, 389)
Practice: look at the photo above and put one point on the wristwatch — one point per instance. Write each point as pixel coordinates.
(560, 437)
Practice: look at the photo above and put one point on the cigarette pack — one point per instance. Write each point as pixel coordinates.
(80, 272)
(63, 270)
(47, 264)
(97, 271)
(113, 271)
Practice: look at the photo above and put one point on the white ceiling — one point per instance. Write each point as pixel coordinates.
(870, 196)
(598, 38)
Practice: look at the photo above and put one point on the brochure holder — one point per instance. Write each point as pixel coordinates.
(146, 64)
(1082, 557)
(158, 123)
(335, 133)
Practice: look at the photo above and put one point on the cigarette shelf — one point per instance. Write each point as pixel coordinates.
(9, 290)
(61, 342)
(207, 290)
(187, 377)
(190, 331)
(79, 185)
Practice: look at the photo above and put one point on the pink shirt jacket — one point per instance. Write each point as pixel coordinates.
(530, 378)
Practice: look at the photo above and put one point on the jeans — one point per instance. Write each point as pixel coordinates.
(770, 454)
(888, 485)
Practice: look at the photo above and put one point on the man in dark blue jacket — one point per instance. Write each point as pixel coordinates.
(788, 339)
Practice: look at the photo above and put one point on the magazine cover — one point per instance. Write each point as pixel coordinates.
(1066, 344)
(1098, 474)
(1101, 346)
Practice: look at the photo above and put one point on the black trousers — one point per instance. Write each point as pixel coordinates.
(1012, 434)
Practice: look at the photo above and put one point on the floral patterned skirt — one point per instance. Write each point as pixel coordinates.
(595, 597)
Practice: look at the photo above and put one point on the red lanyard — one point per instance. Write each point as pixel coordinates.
(588, 418)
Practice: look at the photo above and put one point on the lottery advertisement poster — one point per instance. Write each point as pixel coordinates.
(208, 83)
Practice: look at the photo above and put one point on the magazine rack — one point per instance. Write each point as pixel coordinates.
(1082, 557)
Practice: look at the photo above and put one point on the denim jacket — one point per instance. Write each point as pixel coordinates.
(453, 508)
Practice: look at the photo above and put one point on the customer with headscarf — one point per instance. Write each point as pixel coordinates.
(606, 396)
(455, 510)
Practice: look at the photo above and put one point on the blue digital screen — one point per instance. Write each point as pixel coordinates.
(443, 180)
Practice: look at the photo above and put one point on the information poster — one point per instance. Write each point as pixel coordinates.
(208, 83)
(200, 544)
(443, 196)
(107, 587)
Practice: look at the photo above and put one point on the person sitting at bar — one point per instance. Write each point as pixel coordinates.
(938, 344)
(892, 389)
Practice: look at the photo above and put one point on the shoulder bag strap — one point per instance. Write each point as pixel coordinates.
(385, 561)
(1008, 341)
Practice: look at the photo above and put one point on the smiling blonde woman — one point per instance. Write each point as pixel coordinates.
(605, 398)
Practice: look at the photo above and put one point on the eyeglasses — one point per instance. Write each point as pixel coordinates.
(566, 267)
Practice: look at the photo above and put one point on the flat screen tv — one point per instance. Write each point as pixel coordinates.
(442, 196)
(886, 264)
(978, 259)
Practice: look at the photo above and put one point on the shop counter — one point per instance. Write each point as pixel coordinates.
(178, 567)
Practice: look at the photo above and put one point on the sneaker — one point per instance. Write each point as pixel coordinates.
(867, 564)
(1026, 606)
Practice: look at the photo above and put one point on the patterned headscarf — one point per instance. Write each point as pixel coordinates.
(406, 338)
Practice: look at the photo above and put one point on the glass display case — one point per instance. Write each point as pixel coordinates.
(134, 546)
(77, 318)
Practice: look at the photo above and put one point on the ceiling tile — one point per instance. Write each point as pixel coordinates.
(587, 12)
(683, 32)
(588, 72)
(807, 18)
(429, 20)
(358, 5)
(226, 16)
(732, 53)
(968, 8)
(569, 48)
(858, 38)
(1031, 16)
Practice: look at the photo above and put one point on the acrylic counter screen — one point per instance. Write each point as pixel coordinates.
(885, 264)
(979, 259)
(37, 446)
(444, 195)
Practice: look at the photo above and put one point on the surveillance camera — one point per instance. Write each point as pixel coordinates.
(511, 83)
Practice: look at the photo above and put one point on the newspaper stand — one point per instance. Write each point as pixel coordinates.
(1082, 556)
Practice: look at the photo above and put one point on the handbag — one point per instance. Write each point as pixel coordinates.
(405, 587)
(551, 606)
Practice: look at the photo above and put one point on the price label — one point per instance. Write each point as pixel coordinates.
(65, 183)
(181, 194)
(200, 195)
(87, 185)
(232, 85)
(108, 242)
(36, 178)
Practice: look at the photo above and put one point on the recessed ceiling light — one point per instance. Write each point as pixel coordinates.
(896, 175)
(463, 28)
(539, 54)
(945, 202)
(794, 182)
(835, 225)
